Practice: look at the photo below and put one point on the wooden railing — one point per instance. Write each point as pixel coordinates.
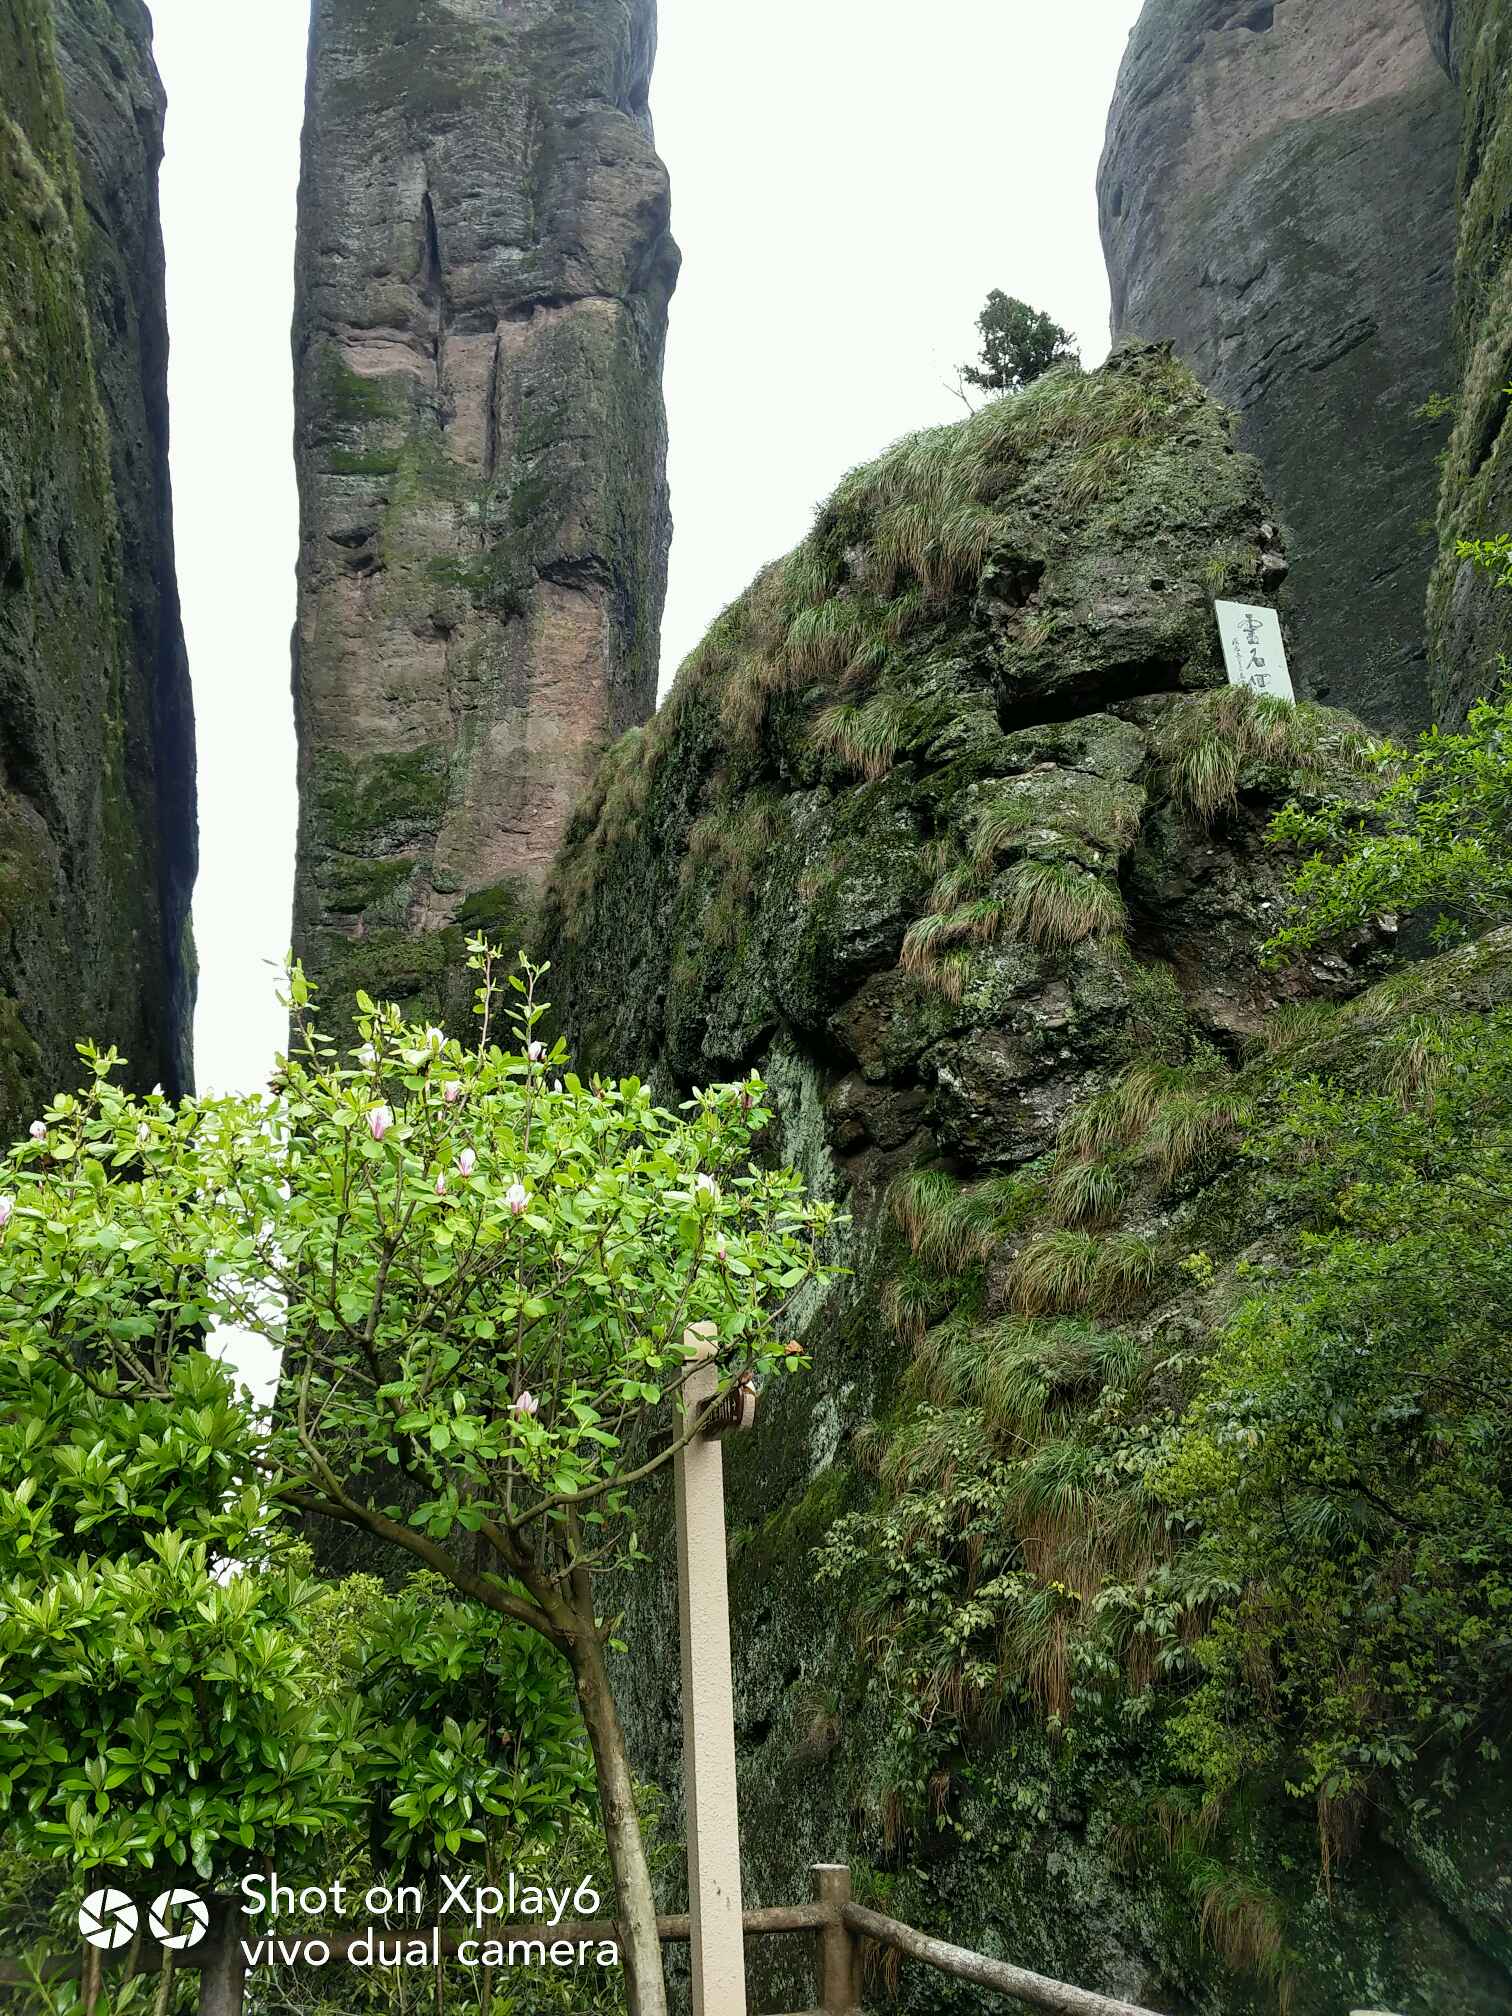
(840, 1928)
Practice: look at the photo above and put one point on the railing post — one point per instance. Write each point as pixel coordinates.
(717, 1936)
(839, 1965)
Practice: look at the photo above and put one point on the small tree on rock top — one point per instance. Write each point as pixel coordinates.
(1019, 344)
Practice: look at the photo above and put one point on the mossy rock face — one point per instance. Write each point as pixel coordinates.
(1470, 620)
(984, 692)
(484, 268)
(1277, 197)
(97, 839)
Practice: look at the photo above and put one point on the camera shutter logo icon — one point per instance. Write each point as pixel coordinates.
(178, 1918)
(108, 1918)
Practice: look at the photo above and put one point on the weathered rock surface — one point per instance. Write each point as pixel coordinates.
(920, 833)
(484, 268)
(97, 828)
(1470, 620)
(1277, 198)
(923, 833)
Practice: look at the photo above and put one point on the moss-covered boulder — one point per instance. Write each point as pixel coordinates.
(935, 789)
(484, 268)
(954, 830)
(97, 837)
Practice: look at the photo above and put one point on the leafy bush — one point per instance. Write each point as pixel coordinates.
(1436, 834)
(1343, 1468)
(483, 1275)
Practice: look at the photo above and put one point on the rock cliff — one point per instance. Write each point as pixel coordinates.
(484, 268)
(1277, 198)
(953, 829)
(1469, 623)
(97, 805)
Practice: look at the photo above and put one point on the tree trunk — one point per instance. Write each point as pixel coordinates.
(223, 1970)
(162, 2002)
(645, 1983)
(90, 1979)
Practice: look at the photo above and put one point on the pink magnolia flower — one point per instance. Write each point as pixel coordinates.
(379, 1122)
(527, 1406)
(39, 1130)
(467, 1161)
(535, 1052)
(7, 1205)
(720, 1250)
(441, 1186)
(451, 1091)
(517, 1197)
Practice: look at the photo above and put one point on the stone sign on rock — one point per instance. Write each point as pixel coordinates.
(1252, 648)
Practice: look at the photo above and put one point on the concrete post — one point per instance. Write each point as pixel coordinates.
(718, 1941)
(838, 1979)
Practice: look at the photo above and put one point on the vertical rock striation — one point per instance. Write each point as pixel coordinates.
(1277, 197)
(117, 107)
(1470, 622)
(97, 829)
(484, 269)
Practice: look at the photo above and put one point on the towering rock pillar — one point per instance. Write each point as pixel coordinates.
(1470, 620)
(483, 275)
(97, 828)
(1277, 196)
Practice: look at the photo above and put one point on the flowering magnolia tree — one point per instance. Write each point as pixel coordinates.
(481, 1272)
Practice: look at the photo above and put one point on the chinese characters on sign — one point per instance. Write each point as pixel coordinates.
(1252, 649)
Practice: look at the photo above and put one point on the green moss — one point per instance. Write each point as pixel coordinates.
(362, 462)
(796, 1529)
(349, 398)
(417, 61)
(79, 836)
(21, 1079)
(354, 885)
(369, 805)
(416, 970)
(504, 913)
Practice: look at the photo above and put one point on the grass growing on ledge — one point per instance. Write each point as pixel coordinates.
(948, 1228)
(1067, 1271)
(1056, 905)
(1105, 814)
(870, 736)
(1051, 905)
(1168, 1117)
(1201, 749)
(1026, 1378)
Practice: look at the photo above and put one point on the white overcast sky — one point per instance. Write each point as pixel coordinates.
(849, 179)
